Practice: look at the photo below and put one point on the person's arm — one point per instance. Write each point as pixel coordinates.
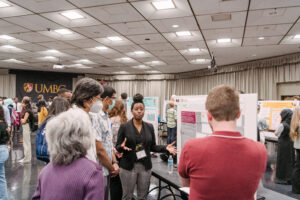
(103, 157)
(7, 116)
(279, 130)
(120, 139)
(183, 168)
(24, 120)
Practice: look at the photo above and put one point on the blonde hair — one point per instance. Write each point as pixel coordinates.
(295, 124)
(171, 104)
(223, 103)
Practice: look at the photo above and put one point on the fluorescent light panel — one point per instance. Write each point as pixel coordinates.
(101, 48)
(72, 15)
(297, 36)
(224, 40)
(6, 37)
(3, 4)
(63, 31)
(52, 51)
(163, 4)
(175, 26)
(261, 38)
(194, 49)
(114, 38)
(139, 52)
(183, 33)
(9, 47)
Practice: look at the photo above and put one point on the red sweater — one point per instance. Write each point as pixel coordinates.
(221, 168)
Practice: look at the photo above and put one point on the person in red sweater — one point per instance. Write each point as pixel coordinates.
(224, 165)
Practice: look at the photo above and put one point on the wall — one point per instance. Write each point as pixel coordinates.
(8, 85)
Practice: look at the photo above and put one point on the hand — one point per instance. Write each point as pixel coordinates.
(8, 129)
(23, 121)
(124, 146)
(171, 148)
(119, 155)
(116, 170)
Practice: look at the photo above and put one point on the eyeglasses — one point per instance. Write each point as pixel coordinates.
(113, 98)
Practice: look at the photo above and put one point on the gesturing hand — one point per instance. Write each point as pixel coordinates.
(171, 148)
(124, 146)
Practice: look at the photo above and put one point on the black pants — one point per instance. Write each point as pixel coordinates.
(115, 188)
(296, 174)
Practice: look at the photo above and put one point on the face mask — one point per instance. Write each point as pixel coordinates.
(96, 107)
(112, 105)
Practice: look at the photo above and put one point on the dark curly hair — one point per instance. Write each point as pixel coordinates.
(138, 98)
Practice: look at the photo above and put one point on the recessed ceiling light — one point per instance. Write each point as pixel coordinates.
(126, 58)
(6, 37)
(163, 4)
(8, 46)
(175, 26)
(139, 52)
(3, 4)
(297, 36)
(194, 49)
(183, 33)
(153, 71)
(49, 57)
(101, 48)
(72, 15)
(121, 72)
(114, 38)
(141, 67)
(63, 31)
(52, 51)
(261, 38)
(224, 40)
(200, 60)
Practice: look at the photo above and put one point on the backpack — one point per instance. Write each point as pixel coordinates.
(33, 122)
(41, 144)
(15, 118)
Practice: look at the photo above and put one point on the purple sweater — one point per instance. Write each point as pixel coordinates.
(82, 179)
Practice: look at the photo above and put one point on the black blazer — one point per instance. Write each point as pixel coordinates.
(128, 131)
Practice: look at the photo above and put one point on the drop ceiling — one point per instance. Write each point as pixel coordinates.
(135, 37)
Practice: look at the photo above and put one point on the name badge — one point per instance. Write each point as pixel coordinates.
(141, 154)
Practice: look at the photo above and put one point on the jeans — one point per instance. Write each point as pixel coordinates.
(171, 134)
(3, 186)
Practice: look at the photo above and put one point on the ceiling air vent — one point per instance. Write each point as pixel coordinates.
(221, 17)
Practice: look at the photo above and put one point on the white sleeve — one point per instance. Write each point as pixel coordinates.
(280, 129)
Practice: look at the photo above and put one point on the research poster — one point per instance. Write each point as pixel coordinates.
(151, 112)
(193, 123)
(270, 110)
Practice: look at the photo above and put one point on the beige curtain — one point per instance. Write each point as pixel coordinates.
(8, 85)
(259, 77)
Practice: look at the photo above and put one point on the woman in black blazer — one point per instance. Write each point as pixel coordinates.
(136, 139)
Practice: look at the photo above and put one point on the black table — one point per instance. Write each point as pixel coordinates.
(172, 181)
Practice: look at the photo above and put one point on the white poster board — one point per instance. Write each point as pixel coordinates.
(151, 112)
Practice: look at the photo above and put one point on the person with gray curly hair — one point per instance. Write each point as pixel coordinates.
(70, 175)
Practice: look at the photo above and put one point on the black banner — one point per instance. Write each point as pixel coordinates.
(34, 83)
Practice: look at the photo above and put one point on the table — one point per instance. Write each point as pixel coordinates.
(270, 136)
(172, 181)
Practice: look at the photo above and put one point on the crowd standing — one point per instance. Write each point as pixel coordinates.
(85, 137)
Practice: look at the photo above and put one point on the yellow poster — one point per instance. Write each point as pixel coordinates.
(270, 110)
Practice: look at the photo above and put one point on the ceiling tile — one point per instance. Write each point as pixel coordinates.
(295, 30)
(129, 48)
(101, 52)
(147, 38)
(237, 20)
(85, 43)
(273, 16)
(187, 53)
(56, 45)
(55, 35)
(12, 41)
(187, 45)
(96, 31)
(31, 47)
(39, 6)
(133, 28)
(267, 30)
(33, 22)
(180, 24)
(258, 4)
(32, 37)
(90, 3)
(172, 37)
(290, 40)
(217, 6)
(158, 46)
(213, 34)
(7, 28)
(76, 52)
(62, 20)
(13, 10)
(258, 42)
(146, 8)
(115, 13)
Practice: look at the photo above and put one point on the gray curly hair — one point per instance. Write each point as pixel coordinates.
(68, 136)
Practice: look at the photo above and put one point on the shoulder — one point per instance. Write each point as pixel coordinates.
(148, 124)
(256, 147)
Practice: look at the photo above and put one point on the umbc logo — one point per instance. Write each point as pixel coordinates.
(28, 87)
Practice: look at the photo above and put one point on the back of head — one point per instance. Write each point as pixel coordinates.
(294, 130)
(286, 116)
(108, 91)
(223, 103)
(124, 95)
(86, 89)
(41, 103)
(26, 101)
(118, 110)
(68, 136)
(171, 104)
(8, 102)
(62, 91)
(58, 106)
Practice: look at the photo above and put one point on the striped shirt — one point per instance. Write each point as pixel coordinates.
(171, 118)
